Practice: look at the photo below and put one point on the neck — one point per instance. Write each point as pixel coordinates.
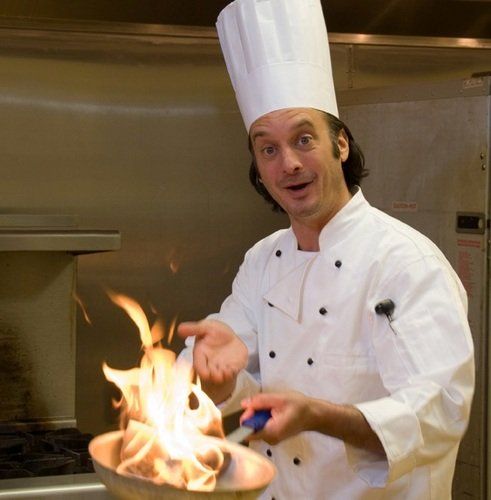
(307, 236)
(307, 230)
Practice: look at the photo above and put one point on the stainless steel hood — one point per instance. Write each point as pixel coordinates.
(38, 270)
(422, 18)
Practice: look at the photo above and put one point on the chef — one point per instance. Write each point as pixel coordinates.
(349, 325)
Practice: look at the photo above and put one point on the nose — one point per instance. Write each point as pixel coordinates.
(291, 161)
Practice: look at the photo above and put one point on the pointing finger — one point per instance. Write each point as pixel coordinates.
(261, 401)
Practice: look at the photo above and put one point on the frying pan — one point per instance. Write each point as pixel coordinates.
(245, 477)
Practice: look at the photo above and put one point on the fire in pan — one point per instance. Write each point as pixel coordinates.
(169, 447)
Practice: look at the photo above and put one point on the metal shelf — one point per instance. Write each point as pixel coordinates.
(76, 241)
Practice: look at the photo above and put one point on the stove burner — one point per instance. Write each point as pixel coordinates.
(28, 454)
(11, 444)
(50, 466)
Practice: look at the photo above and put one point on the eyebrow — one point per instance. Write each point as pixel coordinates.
(302, 123)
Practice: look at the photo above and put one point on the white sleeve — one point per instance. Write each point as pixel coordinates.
(426, 362)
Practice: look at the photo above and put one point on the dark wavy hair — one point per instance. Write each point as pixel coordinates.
(353, 168)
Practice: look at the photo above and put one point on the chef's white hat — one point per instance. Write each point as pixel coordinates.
(277, 56)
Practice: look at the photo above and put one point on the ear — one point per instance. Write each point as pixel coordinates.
(343, 145)
(256, 170)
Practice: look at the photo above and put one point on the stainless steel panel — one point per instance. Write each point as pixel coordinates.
(74, 241)
(426, 147)
(30, 221)
(37, 336)
(74, 487)
(154, 148)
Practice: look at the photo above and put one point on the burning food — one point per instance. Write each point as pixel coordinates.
(166, 439)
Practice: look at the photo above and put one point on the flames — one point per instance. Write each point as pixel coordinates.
(166, 417)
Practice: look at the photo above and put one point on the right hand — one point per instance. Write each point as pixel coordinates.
(218, 355)
(290, 414)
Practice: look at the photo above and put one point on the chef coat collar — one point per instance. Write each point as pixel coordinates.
(286, 294)
(344, 223)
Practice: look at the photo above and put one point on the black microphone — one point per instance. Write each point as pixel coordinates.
(386, 307)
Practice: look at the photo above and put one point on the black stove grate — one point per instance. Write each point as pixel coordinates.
(32, 454)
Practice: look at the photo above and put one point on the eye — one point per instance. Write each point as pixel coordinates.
(268, 150)
(305, 140)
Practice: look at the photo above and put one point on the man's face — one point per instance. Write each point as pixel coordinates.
(296, 163)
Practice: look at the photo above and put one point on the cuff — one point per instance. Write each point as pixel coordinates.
(245, 386)
(371, 467)
(399, 431)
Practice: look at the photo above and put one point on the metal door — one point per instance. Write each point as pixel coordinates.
(427, 150)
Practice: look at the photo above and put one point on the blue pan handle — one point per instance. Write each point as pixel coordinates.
(258, 420)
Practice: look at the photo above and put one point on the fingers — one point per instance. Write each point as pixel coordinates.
(248, 413)
(203, 328)
(192, 329)
(261, 401)
(268, 433)
(210, 370)
(274, 430)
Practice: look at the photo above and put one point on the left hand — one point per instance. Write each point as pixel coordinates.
(289, 415)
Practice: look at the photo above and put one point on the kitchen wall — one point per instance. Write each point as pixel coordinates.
(145, 137)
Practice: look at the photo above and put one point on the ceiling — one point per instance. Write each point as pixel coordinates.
(435, 18)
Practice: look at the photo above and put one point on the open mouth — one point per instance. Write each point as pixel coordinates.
(298, 187)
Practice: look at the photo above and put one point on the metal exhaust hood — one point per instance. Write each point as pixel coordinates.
(421, 18)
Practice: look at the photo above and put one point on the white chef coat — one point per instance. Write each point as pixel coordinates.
(309, 322)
